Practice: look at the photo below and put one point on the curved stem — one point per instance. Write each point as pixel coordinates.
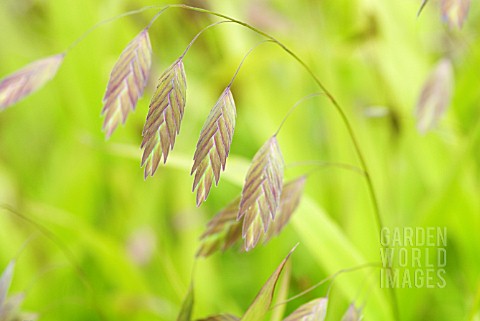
(292, 54)
(332, 99)
(199, 34)
(329, 95)
(293, 108)
(243, 60)
(321, 164)
(155, 17)
(328, 278)
(126, 14)
(340, 111)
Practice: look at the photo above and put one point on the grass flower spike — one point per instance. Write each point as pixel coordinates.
(127, 82)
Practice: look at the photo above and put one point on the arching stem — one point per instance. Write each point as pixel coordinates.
(293, 108)
(327, 279)
(321, 164)
(329, 95)
(199, 34)
(340, 111)
(104, 22)
(332, 99)
(243, 60)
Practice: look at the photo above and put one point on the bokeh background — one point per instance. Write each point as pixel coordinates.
(107, 244)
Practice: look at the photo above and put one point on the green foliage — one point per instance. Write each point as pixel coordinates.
(87, 200)
(259, 307)
(187, 305)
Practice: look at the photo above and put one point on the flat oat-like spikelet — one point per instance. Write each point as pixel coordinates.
(28, 79)
(223, 231)
(127, 82)
(291, 195)
(315, 310)
(435, 96)
(214, 145)
(164, 117)
(261, 192)
(454, 12)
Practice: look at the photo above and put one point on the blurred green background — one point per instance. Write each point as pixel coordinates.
(121, 248)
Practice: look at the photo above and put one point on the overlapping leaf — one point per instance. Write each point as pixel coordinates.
(352, 314)
(454, 12)
(164, 117)
(435, 96)
(290, 198)
(223, 231)
(261, 192)
(127, 82)
(214, 145)
(259, 307)
(315, 310)
(187, 306)
(28, 79)
(281, 296)
(221, 317)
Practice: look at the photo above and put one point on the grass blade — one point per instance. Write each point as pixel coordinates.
(187, 306)
(127, 82)
(259, 307)
(422, 6)
(213, 145)
(261, 192)
(164, 117)
(278, 309)
(28, 80)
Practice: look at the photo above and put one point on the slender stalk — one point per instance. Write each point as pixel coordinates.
(329, 95)
(243, 60)
(155, 17)
(322, 164)
(199, 34)
(104, 22)
(328, 278)
(293, 108)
